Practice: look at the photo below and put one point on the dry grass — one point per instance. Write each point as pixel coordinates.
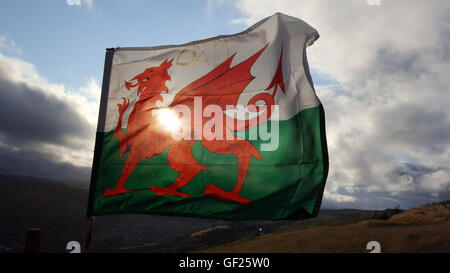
(436, 213)
(424, 229)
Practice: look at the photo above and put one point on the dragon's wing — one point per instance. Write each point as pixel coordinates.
(221, 86)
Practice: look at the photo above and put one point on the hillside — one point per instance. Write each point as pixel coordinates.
(424, 229)
(58, 208)
(51, 205)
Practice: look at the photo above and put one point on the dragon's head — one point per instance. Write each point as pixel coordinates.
(152, 80)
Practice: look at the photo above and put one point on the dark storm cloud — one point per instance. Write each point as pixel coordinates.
(413, 170)
(36, 164)
(417, 126)
(41, 133)
(392, 61)
(29, 116)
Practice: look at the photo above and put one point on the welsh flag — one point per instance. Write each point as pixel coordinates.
(228, 127)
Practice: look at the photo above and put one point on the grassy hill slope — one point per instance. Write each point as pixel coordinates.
(423, 229)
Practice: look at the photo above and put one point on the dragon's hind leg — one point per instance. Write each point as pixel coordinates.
(128, 168)
(181, 160)
(243, 150)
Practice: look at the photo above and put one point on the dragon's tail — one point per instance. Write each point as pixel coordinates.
(264, 115)
(269, 100)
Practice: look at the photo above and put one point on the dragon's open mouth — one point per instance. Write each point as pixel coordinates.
(131, 83)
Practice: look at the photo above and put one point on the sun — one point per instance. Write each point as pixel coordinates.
(168, 120)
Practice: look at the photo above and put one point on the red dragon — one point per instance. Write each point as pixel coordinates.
(222, 86)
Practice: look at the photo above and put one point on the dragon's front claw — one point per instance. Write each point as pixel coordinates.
(123, 106)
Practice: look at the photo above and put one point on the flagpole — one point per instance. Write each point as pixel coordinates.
(89, 221)
(88, 228)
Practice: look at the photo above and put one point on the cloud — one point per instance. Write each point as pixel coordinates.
(8, 46)
(383, 81)
(88, 3)
(339, 198)
(46, 130)
(73, 2)
(40, 165)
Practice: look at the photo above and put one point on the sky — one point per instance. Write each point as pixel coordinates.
(380, 70)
